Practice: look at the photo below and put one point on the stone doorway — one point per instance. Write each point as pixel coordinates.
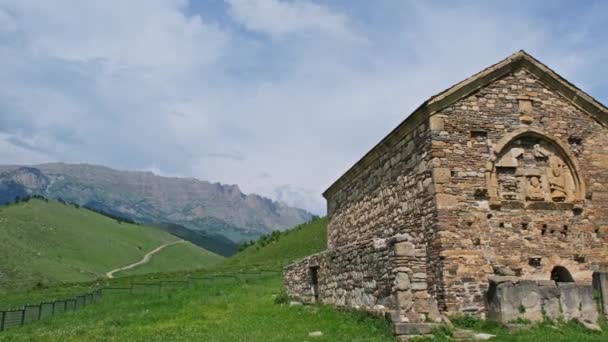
(314, 282)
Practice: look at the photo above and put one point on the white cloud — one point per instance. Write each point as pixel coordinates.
(150, 84)
(280, 18)
(124, 34)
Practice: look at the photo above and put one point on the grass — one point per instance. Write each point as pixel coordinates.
(47, 243)
(178, 257)
(557, 331)
(304, 240)
(227, 312)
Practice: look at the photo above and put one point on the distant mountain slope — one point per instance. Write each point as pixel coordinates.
(146, 197)
(49, 242)
(217, 244)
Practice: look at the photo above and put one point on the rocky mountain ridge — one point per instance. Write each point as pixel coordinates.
(148, 198)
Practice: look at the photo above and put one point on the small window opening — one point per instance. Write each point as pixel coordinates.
(479, 134)
(524, 226)
(564, 232)
(501, 225)
(581, 259)
(544, 230)
(480, 194)
(561, 274)
(574, 140)
(534, 261)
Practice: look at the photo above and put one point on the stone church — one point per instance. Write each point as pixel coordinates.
(504, 175)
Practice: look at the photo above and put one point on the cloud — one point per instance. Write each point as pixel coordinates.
(7, 23)
(25, 145)
(280, 97)
(280, 18)
(236, 156)
(121, 34)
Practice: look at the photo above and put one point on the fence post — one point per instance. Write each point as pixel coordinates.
(65, 305)
(39, 311)
(53, 303)
(22, 316)
(2, 321)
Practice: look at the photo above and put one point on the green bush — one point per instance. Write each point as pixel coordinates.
(282, 297)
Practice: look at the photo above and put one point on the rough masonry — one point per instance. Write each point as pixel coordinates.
(503, 174)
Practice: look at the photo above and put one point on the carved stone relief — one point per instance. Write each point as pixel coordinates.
(532, 169)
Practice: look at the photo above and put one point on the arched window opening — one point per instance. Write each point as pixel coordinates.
(561, 274)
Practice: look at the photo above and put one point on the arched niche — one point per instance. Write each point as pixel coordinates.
(529, 166)
(560, 274)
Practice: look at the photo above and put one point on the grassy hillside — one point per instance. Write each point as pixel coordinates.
(303, 240)
(217, 244)
(179, 257)
(50, 242)
(214, 311)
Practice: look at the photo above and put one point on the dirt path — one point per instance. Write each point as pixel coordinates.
(143, 261)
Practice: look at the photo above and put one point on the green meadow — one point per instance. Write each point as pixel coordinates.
(47, 243)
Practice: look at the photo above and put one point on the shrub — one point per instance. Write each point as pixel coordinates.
(282, 297)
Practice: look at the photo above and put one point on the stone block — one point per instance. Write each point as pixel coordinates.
(441, 175)
(405, 249)
(415, 328)
(418, 285)
(437, 123)
(446, 201)
(550, 302)
(402, 281)
(405, 300)
(419, 275)
(569, 300)
(600, 283)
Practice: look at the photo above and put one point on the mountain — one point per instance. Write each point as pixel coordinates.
(217, 244)
(46, 242)
(148, 198)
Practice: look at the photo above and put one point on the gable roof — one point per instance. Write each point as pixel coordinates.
(515, 62)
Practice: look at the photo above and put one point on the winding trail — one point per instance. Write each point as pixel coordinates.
(145, 260)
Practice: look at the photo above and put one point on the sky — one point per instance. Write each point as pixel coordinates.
(278, 96)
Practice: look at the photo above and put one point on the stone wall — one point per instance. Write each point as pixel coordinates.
(510, 299)
(383, 276)
(521, 182)
(357, 276)
(390, 195)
